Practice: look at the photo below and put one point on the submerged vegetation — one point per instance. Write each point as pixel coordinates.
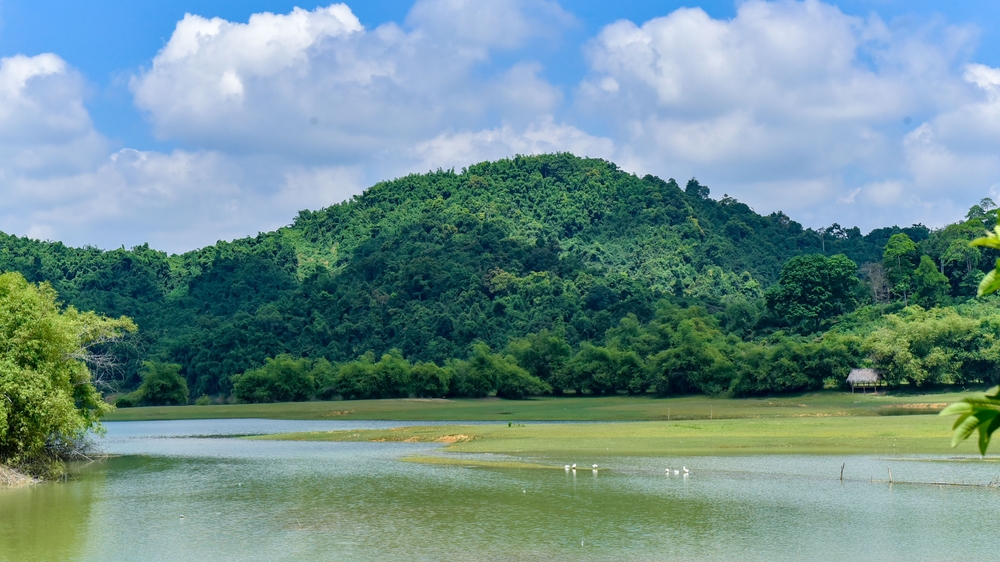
(537, 275)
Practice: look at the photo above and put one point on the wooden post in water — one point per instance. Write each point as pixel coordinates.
(842, 471)
(890, 474)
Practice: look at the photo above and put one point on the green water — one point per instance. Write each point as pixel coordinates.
(267, 500)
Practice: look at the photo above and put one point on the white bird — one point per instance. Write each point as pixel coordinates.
(668, 471)
(677, 472)
(595, 467)
(574, 466)
(566, 467)
(685, 469)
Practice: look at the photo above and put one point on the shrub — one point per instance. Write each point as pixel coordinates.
(282, 379)
(162, 385)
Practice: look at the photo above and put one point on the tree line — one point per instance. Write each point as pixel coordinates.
(429, 266)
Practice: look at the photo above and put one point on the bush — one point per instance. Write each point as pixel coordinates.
(427, 380)
(486, 373)
(162, 385)
(48, 398)
(282, 379)
(602, 370)
(366, 378)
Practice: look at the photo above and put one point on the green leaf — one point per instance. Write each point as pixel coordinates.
(991, 240)
(975, 413)
(986, 431)
(956, 409)
(989, 284)
(964, 429)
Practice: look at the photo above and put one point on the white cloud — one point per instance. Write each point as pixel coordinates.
(794, 93)
(176, 202)
(788, 105)
(60, 179)
(316, 85)
(43, 123)
(281, 113)
(544, 136)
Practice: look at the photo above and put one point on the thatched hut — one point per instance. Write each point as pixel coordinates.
(864, 378)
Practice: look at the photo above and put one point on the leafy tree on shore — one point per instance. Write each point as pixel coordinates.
(47, 399)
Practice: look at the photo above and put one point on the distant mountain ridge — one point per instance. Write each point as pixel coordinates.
(431, 263)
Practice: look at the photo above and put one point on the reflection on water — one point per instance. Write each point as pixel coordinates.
(267, 500)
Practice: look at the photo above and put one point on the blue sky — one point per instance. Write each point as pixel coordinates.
(124, 122)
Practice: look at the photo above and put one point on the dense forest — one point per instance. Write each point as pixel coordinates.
(541, 274)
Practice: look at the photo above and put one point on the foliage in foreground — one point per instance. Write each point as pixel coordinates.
(47, 399)
(980, 413)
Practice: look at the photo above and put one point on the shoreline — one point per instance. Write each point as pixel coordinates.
(567, 408)
(10, 478)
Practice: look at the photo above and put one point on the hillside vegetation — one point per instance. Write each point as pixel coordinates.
(533, 275)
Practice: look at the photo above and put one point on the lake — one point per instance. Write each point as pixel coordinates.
(182, 490)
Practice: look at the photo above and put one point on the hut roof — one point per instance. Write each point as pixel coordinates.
(863, 375)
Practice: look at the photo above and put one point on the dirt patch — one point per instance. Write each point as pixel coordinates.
(461, 437)
(940, 406)
(10, 478)
(411, 440)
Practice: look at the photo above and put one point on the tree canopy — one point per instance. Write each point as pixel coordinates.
(47, 398)
(568, 270)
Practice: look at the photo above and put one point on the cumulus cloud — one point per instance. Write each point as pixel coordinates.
(793, 94)
(43, 123)
(317, 85)
(545, 136)
(60, 178)
(790, 106)
(289, 111)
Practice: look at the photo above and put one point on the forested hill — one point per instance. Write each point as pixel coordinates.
(429, 264)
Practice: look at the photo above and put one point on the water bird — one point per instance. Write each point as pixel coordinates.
(595, 467)
(677, 472)
(574, 466)
(685, 469)
(566, 467)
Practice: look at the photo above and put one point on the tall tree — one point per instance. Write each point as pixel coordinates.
(900, 258)
(813, 288)
(929, 284)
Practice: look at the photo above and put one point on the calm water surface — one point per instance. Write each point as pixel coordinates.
(270, 500)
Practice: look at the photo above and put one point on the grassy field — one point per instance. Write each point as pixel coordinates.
(610, 408)
(888, 435)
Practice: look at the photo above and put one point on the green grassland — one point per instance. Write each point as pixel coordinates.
(827, 422)
(888, 435)
(608, 408)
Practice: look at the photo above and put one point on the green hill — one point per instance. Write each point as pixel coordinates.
(429, 264)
